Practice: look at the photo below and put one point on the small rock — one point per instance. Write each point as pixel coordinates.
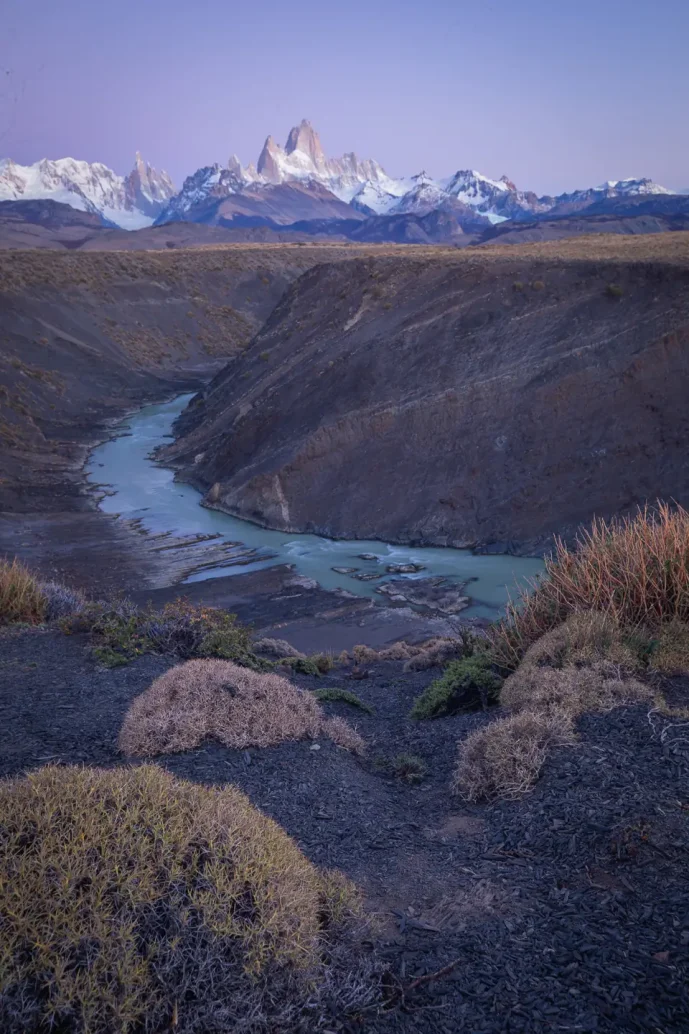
(344, 570)
(315, 746)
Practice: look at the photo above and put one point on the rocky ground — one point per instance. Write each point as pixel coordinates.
(565, 911)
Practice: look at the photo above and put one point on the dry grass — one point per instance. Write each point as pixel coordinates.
(635, 569)
(571, 689)
(505, 759)
(21, 598)
(211, 699)
(133, 901)
(584, 638)
(434, 653)
(580, 666)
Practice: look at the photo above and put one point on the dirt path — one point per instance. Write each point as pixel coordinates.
(566, 911)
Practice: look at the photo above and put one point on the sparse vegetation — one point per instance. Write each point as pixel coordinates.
(518, 285)
(343, 695)
(634, 569)
(537, 285)
(614, 291)
(131, 900)
(466, 685)
(265, 356)
(122, 632)
(669, 652)
(219, 700)
(410, 768)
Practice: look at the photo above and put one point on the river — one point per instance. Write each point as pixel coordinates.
(141, 488)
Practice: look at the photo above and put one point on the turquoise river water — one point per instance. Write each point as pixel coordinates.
(143, 489)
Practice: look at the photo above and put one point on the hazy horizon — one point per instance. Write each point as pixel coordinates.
(555, 99)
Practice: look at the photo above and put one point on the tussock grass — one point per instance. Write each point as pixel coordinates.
(134, 901)
(670, 655)
(635, 569)
(211, 699)
(573, 690)
(505, 759)
(21, 598)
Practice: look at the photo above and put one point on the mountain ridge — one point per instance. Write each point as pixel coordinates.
(294, 183)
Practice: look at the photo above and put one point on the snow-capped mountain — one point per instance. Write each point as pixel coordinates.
(131, 201)
(296, 182)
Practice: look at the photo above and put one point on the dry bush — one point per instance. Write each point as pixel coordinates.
(276, 648)
(574, 690)
(21, 598)
(505, 759)
(635, 569)
(364, 654)
(671, 654)
(396, 652)
(435, 654)
(210, 699)
(584, 638)
(134, 901)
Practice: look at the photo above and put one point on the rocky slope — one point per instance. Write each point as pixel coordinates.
(87, 336)
(474, 397)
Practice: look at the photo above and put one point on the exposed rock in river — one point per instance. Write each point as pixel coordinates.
(493, 396)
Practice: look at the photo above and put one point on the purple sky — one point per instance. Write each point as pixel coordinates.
(557, 95)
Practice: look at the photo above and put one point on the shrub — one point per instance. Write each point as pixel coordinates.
(343, 695)
(505, 758)
(465, 685)
(409, 767)
(302, 666)
(537, 285)
(517, 285)
(437, 652)
(614, 291)
(21, 598)
(219, 700)
(364, 654)
(124, 632)
(133, 901)
(60, 601)
(265, 356)
(635, 569)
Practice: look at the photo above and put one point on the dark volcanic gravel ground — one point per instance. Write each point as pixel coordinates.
(567, 911)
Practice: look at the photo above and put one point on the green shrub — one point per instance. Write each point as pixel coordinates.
(265, 356)
(517, 285)
(537, 285)
(134, 901)
(468, 684)
(317, 665)
(344, 695)
(614, 291)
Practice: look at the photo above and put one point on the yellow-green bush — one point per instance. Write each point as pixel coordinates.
(131, 901)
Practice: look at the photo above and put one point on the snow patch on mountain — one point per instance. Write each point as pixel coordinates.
(131, 201)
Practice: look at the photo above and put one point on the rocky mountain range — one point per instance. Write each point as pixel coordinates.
(298, 186)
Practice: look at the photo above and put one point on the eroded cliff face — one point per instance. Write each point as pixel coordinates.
(485, 398)
(84, 337)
